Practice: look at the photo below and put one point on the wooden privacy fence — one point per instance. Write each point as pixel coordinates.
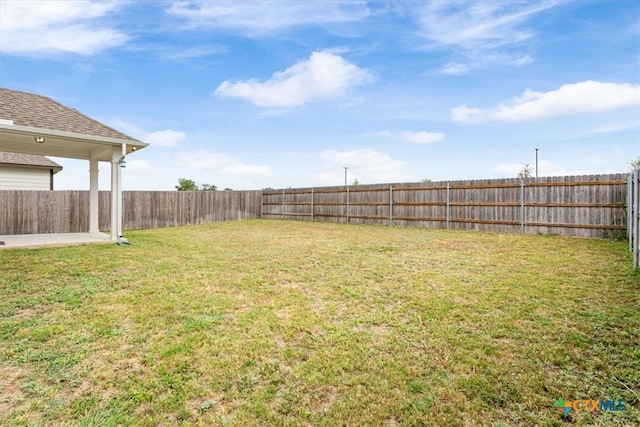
(585, 206)
(35, 212)
(633, 215)
(157, 209)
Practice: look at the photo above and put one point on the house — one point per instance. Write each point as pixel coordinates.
(38, 125)
(19, 171)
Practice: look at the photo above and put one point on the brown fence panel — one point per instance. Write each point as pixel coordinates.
(585, 206)
(36, 212)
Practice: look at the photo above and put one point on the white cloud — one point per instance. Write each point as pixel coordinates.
(262, 16)
(165, 138)
(193, 52)
(276, 112)
(368, 166)
(456, 69)
(575, 98)
(161, 138)
(483, 33)
(478, 25)
(46, 27)
(617, 127)
(204, 159)
(477, 61)
(522, 60)
(462, 113)
(323, 76)
(415, 137)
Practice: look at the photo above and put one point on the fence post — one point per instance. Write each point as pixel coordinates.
(390, 205)
(262, 203)
(312, 205)
(636, 222)
(283, 203)
(522, 206)
(347, 188)
(636, 218)
(630, 211)
(448, 207)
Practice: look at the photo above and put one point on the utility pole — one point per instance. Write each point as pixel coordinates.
(537, 162)
(345, 175)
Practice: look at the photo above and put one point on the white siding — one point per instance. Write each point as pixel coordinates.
(18, 178)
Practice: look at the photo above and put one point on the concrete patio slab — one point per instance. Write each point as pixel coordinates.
(52, 240)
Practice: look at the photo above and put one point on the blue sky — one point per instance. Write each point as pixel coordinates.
(252, 94)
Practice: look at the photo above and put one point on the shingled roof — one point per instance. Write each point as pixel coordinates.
(37, 111)
(21, 159)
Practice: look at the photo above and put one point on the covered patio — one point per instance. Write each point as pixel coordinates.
(34, 124)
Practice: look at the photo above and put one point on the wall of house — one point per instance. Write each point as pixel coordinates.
(24, 178)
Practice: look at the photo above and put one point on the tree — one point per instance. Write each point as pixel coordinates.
(208, 187)
(356, 182)
(228, 189)
(526, 171)
(426, 181)
(185, 184)
(635, 164)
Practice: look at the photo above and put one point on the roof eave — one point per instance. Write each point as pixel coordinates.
(72, 135)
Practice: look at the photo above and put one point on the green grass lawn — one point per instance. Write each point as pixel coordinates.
(293, 323)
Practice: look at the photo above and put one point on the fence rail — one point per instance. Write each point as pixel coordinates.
(585, 206)
(35, 212)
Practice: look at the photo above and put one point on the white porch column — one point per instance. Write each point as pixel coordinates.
(116, 154)
(94, 207)
(119, 228)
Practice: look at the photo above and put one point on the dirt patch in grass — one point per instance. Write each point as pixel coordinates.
(11, 394)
